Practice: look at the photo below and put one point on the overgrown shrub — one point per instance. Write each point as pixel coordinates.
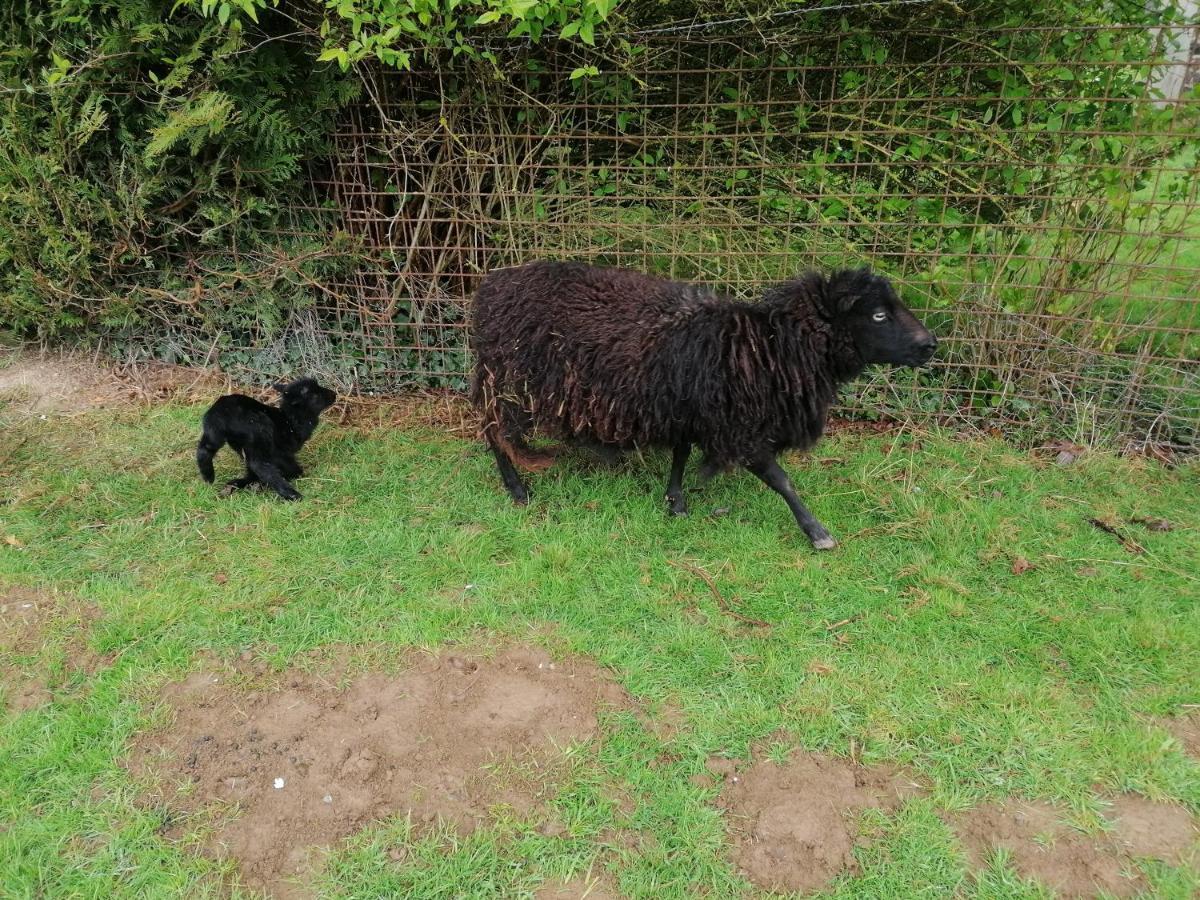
(164, 163)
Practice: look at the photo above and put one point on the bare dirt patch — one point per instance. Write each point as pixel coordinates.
(38, 630)
(1164, 831)
(306, 763)
(585, 887)
(1044, 847)
(795, 823)
(70, 383)
(1185, 729)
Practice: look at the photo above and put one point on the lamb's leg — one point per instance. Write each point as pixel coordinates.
(290, 468)
(205, 450)
(675, 498)
(269, 474)
(769, 472)
(508, 473)
(238, 484)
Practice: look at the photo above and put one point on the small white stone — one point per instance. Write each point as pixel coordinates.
(327, 799)
(279, 783)
(470, 587)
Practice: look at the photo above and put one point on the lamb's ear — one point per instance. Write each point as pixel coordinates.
(281, 387)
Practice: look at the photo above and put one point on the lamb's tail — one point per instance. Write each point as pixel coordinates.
(205, 450)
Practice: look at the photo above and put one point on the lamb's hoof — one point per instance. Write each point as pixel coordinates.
(678, 507)
(520, 498)
(228, 490)
(291, 496)
(825, 543)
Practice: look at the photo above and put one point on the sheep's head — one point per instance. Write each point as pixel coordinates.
(305, 394)
(882, 328)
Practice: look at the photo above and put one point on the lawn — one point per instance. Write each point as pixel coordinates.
(974, 630)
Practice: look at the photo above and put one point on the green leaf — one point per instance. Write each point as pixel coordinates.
(492, 15)
(569, 30)
(587, 34)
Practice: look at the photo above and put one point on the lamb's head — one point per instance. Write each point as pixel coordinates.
(882, 328)
(305, 395)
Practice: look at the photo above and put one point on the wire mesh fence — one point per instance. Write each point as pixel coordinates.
(1033, 192)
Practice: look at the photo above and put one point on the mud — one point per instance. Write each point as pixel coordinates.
(794, 824)
(1044, 847)
(302, 765)
(43, 644)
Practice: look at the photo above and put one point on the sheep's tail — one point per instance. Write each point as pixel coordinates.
(205, 450)
(498, 428)
(522, 455)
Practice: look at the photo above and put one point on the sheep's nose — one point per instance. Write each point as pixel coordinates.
(927, 344)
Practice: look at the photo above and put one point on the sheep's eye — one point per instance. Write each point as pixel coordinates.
(880, 316)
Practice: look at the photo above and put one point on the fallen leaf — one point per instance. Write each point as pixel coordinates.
(220, 578)
(1021, 565)
(1087, 572)
(13, 541)
(819, 668)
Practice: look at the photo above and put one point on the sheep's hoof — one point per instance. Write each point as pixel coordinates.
(678, 506)
(825, 543)
(227, 491)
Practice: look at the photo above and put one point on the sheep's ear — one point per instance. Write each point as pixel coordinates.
(281, 386)
(849, 286)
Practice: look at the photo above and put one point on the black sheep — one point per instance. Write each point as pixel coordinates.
(266, 437)
(623, 359)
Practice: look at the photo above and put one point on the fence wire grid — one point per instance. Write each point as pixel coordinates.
(1033, 193)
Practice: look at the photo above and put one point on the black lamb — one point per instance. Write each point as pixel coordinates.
(621, 359)
(266, 437)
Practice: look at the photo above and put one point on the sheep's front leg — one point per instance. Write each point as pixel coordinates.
(772, 475)
(675, 498)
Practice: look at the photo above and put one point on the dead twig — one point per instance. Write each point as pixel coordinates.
(721, 602)
(1127, 542)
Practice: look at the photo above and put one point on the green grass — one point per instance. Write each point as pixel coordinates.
(985, 683)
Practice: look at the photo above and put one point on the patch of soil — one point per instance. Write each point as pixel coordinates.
(1045, 848)
(794, 823)
(306, 764)
(29, 621)
(1143, 828)
(66, 383)
(585, 887)
(1186, 730)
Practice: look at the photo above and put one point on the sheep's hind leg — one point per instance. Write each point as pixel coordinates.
(508, 474)
(772, 475)
(679, 458)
